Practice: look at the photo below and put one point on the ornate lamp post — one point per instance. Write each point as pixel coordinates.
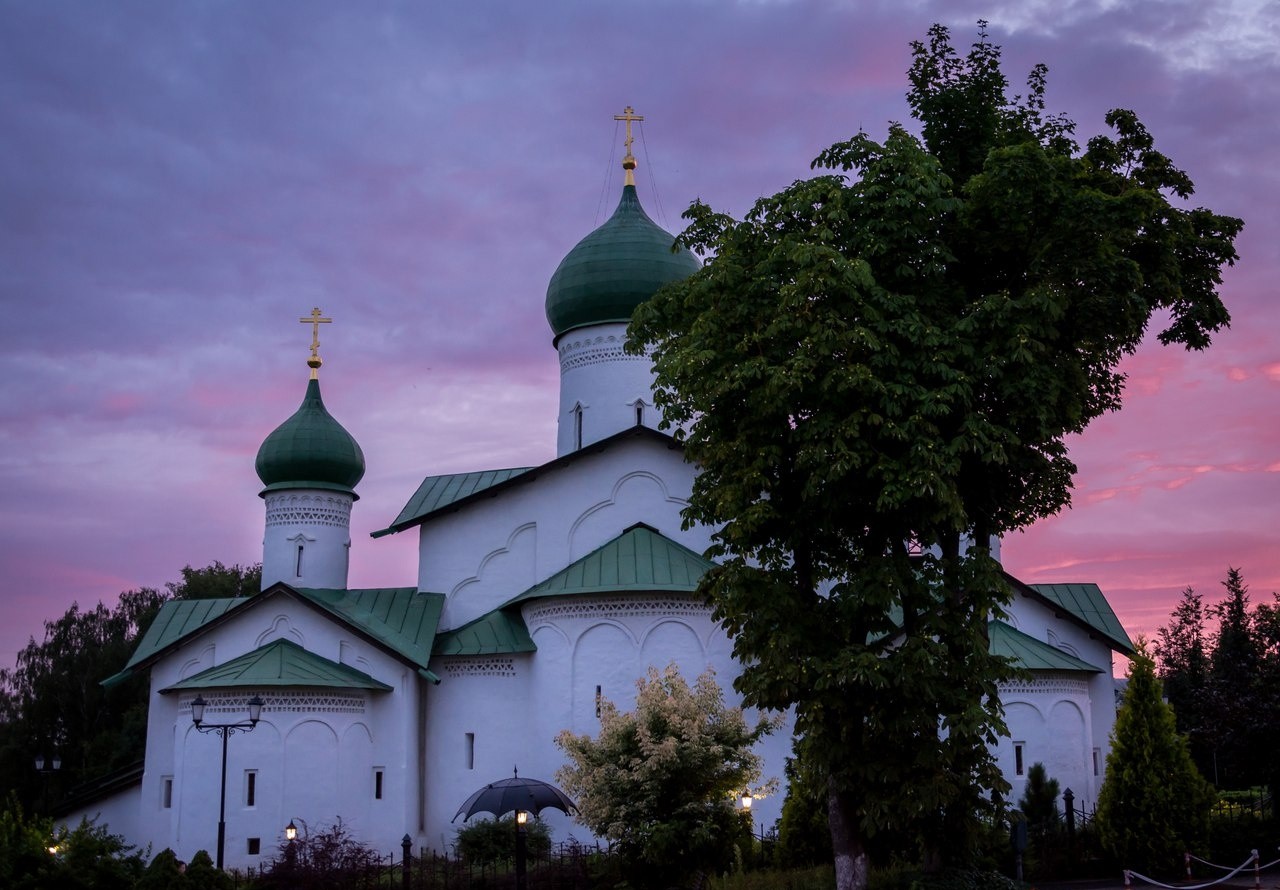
(224, 730)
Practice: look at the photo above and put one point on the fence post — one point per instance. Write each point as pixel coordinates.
(406, 861)
(1069, 803)
(1257, 871)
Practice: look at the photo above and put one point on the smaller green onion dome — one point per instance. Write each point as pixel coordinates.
(615, 269)
(310, 450)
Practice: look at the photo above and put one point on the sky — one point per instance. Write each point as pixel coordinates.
(180, 182)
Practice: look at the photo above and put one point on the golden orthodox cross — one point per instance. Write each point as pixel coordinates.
(315, 320)
(629, 162)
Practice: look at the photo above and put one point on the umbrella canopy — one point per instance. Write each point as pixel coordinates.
(508, 795)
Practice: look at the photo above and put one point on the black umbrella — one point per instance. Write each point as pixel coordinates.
(507, 795)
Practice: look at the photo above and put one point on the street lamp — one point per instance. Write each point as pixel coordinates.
(522, 818)
(46, 767)
(224, 730)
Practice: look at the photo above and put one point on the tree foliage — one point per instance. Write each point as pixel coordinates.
(660, 782)
(52, 701)
(1223, 684)
(37, 855)
(1039, 803)
(877, 367)
(1154, 805)
(486, 841)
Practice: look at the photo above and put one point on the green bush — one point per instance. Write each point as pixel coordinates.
(494, 840)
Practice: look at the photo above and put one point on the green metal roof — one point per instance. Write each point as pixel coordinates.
(400, 618)
(615, 269)
(1030, 654)
(501, 631)
(176, 620)
(640, 559)
(310, 450)
(281, 663)
(437, 492)
(1088, 603)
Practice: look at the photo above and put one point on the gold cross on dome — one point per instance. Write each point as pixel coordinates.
(629, 162)
(315, 319)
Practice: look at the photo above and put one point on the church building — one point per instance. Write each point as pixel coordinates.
(541, 591)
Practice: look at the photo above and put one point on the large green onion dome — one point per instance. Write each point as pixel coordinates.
(615, 269)
(310, 450)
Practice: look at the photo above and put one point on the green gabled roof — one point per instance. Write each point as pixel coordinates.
(500, 632)
(1088, 603)
(399, 618)
(437, 492)
(281, 663)
(639, 559)
(176, 620)
(1030, 654)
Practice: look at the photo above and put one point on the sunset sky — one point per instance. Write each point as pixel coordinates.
(181, 181)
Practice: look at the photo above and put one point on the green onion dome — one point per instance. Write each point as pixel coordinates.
(615, 269)
(310, 450)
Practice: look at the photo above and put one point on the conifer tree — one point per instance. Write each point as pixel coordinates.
(1154, 804)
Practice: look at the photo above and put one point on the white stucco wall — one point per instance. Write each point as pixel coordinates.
(495, 548)
(603, 384)
(313, 753)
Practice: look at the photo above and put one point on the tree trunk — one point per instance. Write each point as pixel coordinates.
(846, 841)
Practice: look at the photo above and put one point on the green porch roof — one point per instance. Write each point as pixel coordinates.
(1088, 603)
(281, 663)
(640, 559)
(1030, 654)
(399, 618)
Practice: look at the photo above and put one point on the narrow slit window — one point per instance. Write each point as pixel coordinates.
(471, 750)
(166, 793)
(377, 784)
(577, 426)
(599, 701)
(1097, 756)
(639, 413)
(297, 569)
(1018, 764)
(250, 787)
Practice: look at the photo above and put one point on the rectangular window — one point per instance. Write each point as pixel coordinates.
(1097, 756)
(255, 846)
(471, 750)
(166, 793)
(599, 699)
(298, 568)
(1018, 765)
(250, 787)
(377, 784)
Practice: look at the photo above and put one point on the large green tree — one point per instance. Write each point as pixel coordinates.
(1154, 804)
(875, 372)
